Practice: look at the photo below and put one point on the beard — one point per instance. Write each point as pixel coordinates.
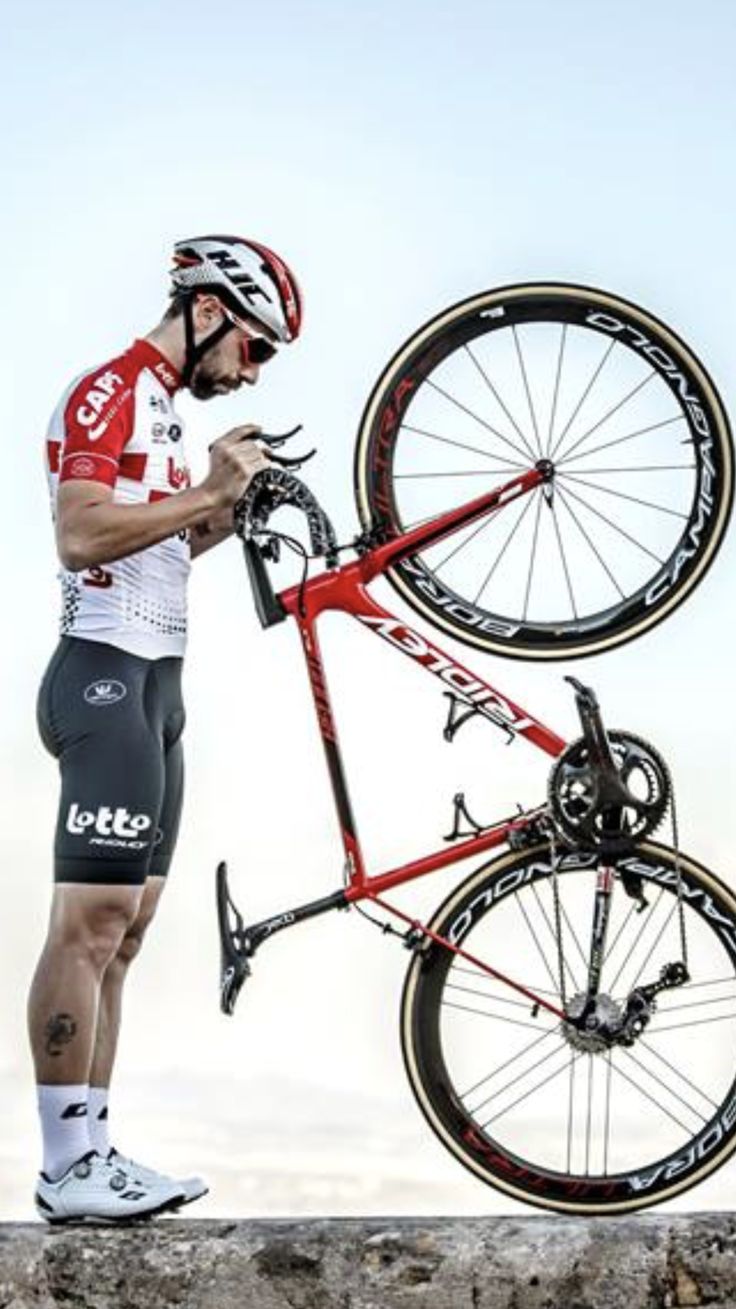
(206, 383)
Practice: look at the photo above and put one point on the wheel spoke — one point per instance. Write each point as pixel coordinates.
(483, 422)
(556, 393)
(532, 1091)
(601, 364)
(698, 1022)
(563, 557)
(524, 511)
(620, 1073)
(483, 1013)
(463, 445)
(610, 412)
(607, 1130)
(674, 1069)
(487, 995)
(499, 399)
(533, 556)
(667, 1086)
(553, 934)
(621, 495)
(527, 389)
(645, 924)
(592, 509)
(538, 943)
(471, 472)
(589, 1114)
(464, 1095)
(619, 440)
(596, 551)
(646, 468)
(570, 1111)
(477, 529)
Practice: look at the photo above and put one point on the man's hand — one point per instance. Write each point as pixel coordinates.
(235, 458)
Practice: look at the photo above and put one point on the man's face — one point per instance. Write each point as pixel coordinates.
(223, 369)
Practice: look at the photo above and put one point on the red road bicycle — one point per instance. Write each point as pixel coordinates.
(560, 1007)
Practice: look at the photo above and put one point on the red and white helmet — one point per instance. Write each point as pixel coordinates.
(250, 277)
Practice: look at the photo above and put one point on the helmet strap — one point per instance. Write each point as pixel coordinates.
(193, 352)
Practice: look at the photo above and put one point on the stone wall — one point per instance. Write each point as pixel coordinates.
(646, 1262)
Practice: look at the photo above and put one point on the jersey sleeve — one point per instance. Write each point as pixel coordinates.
(98, 423)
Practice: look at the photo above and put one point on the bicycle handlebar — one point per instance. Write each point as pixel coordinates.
(268, 491)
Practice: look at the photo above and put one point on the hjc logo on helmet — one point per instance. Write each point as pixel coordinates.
(106, 691)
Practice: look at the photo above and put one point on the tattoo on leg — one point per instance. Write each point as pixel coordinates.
(59, 1031)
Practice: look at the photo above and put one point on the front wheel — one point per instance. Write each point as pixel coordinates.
(525, 1101)
(635, 446)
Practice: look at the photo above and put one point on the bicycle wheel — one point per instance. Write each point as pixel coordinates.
(627, 423)
(515, 1096)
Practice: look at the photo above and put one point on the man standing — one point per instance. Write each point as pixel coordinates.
(110, 710)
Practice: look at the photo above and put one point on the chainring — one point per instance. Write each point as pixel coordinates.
(575, 802)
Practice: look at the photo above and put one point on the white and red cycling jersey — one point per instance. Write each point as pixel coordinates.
(117, 425)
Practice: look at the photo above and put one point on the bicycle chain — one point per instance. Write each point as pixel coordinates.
(555, 859)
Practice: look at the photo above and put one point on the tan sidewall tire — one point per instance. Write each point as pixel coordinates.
(487, 300)
(471, 885)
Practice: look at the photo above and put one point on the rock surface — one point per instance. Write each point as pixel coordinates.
(648, 1262)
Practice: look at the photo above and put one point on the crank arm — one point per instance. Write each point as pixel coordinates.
(591, 722)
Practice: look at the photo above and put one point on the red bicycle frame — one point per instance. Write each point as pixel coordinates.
(344, 589)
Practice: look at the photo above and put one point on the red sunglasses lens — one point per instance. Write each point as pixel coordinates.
(257, 350)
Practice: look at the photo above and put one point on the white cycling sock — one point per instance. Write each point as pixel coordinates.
(97, 1109)
(63, 1114)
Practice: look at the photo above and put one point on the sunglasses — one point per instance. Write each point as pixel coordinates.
(255, 349)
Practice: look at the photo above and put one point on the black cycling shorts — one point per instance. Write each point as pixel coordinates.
(114, 722)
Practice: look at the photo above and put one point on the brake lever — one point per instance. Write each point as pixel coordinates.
(276, 439)
(296, 462)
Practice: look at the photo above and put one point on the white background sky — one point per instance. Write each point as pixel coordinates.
(401, 156)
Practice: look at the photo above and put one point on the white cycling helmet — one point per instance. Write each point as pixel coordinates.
(251, 278)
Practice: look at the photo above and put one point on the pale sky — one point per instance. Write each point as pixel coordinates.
(401, 156)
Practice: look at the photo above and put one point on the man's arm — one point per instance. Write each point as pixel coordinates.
(92, 530)
(215, 529)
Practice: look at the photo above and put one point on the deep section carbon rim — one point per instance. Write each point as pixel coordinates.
(516, 1096)
(627, 423)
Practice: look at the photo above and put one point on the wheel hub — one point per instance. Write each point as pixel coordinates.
(602, 1023)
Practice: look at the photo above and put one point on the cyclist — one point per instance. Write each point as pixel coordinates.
(128, 521)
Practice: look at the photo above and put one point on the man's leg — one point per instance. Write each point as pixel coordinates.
(87, 927)
(109, 1011)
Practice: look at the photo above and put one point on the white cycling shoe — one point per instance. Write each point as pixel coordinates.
(193, 1188)
(99, 1190)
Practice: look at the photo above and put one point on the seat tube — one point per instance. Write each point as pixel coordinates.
(328, 732)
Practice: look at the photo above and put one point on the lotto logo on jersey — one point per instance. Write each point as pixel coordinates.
(112, 826)
(88, 412)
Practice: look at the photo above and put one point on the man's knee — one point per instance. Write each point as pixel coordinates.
(93, 921)
(133, 939)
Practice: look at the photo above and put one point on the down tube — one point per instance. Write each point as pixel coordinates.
(328, 732)
(497, 708)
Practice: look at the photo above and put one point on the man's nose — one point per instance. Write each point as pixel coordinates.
(249, 373)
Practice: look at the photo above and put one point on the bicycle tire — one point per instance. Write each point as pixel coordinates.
(633, 593)
(426, 1040)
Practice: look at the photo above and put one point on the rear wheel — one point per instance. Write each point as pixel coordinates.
(516, 1094)
(578, 381)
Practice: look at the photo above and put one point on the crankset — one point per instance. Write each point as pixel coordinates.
(608, 789)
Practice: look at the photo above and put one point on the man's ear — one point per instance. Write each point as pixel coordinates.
(207, 311)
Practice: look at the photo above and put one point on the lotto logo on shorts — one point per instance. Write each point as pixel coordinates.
(116, 827)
